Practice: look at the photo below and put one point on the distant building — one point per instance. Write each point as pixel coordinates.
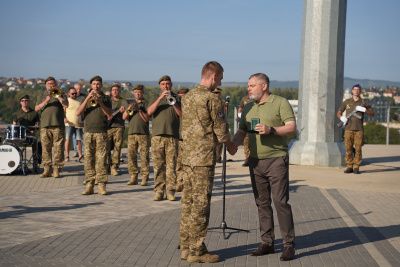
(11, 83)
(396, 99)
(379, 105)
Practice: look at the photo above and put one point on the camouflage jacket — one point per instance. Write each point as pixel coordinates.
(203, 126)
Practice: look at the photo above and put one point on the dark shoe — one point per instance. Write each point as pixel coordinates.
(246, 163)
(288, 254)
(263, 249)
(81, 159)
(348, 170)
(356, 171)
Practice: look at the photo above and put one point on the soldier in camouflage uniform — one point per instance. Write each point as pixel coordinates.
(164, 141)
(179, 167)
(218, 148)
(138, 137)
(95, 136)
(354, 134)
(116, 128)
(203, 126)
(52, 131)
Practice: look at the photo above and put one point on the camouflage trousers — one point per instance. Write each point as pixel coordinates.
(53, 136)
(353, 138)
(96, 147)
(246, 146)
(163, 152)
(138, 142)
(179, 166)
(115, 136)
(195, 208)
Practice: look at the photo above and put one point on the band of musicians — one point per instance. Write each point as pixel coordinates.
(185, 133)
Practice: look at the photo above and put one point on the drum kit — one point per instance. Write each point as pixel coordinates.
(13, 150)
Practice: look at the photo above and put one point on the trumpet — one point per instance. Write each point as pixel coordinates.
(55, 92)
(171, 99)
(129, 111)
(93, 102)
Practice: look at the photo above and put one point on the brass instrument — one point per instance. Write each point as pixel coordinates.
(130, 112)
(93, 102)
(171, 99)
(55, 92)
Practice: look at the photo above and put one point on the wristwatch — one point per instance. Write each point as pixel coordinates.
(272, 130)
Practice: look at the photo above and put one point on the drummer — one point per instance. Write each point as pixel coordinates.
(30, 119)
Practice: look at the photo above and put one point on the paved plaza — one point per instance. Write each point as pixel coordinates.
(340, 219)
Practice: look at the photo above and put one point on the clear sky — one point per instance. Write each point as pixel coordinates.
(142, 40)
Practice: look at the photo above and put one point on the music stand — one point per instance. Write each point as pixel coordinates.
(223, 224)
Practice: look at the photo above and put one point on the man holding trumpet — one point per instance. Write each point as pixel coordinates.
(138, 136)
(52, 132)
(96, 108)
(166, 110)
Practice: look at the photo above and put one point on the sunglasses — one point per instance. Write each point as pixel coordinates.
(73, 93)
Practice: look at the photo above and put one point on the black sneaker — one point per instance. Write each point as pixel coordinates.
(356, 171)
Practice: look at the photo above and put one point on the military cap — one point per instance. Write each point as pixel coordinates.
(217, 90)
(183, 90)
(24, 97)
(138, 87)
(164, 78)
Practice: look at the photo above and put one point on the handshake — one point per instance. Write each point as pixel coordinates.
(231, 147)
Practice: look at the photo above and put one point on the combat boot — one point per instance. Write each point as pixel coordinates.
(159, 196)
(179, 188)
(45, 174)
(171, 197)
(102, 189)
(185, 254)
(89, 189)
(133, 181)
(56, 173)
(144, 181)
(114, 171)
(206, 258)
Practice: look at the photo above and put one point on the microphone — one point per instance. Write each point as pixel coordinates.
(227, 99)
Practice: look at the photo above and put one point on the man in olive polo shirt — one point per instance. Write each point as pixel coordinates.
(95, 136)
(354, 131)
(164, 141)
(28, 118)
(138, 137)
(52, 131)
(268, 120)
(116, 128)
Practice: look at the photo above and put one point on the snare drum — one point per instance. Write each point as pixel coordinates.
(16, 133)
(10, 158)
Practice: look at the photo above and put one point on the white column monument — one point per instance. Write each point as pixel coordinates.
(321, 85)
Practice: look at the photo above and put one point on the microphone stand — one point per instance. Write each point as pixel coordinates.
(223, 225)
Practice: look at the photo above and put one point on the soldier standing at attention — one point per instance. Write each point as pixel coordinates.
(96, 108)
(179, 172)
(52, 131)
(203, 126)
(354, 131)
(116, 128)
(164, 141)
(138, 137)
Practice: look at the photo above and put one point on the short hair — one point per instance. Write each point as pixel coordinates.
(164, 78)
(261, 76)
(116, 85)
(210, 68)
(50, 79)
(96, 78)
(72, 88)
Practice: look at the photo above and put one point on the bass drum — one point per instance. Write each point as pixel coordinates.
(10, 158)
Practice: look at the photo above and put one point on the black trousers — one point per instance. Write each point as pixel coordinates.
(271, 177)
